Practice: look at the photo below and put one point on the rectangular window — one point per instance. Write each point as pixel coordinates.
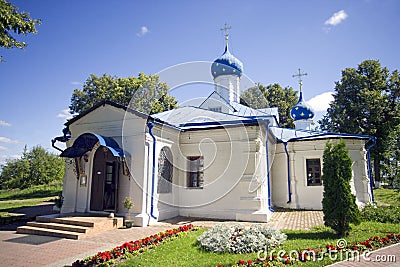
(195, 171)
(313, 172)
(216, 109)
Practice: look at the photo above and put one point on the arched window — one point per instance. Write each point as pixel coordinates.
(165, 170)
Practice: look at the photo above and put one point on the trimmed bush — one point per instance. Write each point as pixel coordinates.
(338, 203)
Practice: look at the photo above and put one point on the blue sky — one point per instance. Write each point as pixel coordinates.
(272, 39)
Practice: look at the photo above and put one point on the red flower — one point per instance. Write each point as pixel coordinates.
(241, 262)
(249, 262)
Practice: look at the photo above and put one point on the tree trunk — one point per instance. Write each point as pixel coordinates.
(377, 170)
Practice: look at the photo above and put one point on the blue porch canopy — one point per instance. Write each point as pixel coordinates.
(85, 142)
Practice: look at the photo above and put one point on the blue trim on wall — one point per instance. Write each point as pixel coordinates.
(371, 183)
(221, 123)
(327, 135)
(150, 125)
(288, 171)
(268, 167)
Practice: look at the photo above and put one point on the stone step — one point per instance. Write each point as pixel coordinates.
(81, 221)
(60, 226)
(72, 227)
(48, 232)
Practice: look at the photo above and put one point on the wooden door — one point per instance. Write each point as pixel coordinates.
(104, 181)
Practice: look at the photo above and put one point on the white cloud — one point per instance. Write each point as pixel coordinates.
(76, 83)
(3, 148)
(336, 18)
(10, 156)
(3, 123)
(321, 102)
(3, 158)
(8, 140)
(65, 114)
(143, 30)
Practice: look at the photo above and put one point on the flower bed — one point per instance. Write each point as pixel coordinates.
(330, 250)
(132, 248)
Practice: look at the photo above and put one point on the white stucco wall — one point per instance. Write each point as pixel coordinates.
(128, 130)
(234, 174)
(310, 197)
(228, 86)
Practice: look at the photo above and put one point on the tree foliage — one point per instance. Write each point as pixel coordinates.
(273, 95)
(12, 21)
(35, 167)
(391, 159)
(144, 93)
(338, 202)
(366, 101)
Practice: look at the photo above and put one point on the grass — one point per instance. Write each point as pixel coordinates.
(184, 251)
(385, 196)
(11, 200)
(38, 191)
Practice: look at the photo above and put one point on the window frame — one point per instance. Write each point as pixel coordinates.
(165, 166)
(215, 109)
(311, 170)
(195, 179)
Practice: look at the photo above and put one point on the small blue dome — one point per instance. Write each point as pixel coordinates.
(301, 111)
(226, 64)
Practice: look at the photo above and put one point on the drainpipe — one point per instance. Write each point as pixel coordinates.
(150, 125)
(288, 170)
(371, 183)
(268, 167)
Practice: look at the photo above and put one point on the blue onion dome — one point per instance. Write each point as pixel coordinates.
(301, 111)
(226, 64)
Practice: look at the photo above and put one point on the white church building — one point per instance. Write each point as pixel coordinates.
(220, 159)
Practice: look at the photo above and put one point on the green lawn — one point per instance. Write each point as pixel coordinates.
(385, 196)
(11, 200)
(184, 251)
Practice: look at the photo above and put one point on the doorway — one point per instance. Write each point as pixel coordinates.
(104, 193)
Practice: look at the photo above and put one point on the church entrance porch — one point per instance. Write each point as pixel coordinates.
(94, 179)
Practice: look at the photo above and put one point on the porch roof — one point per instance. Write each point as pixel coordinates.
(85, 142)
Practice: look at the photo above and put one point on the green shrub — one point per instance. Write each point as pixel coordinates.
(338, 202)
(383, 214)
(239, 239)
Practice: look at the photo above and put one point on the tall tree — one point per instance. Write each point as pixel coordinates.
(145, 93)
(338, 203)
(391, 161)
(12, 21)
(35, 167)
(273, 95)
(366, 101)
